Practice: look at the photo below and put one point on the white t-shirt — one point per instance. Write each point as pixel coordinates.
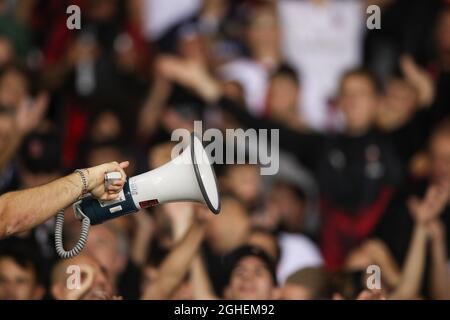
(297, 252)
(321, 42)
(161, 15)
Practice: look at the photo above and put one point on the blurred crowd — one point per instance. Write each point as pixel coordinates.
(364, 139)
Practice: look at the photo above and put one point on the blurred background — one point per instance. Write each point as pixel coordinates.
(364, 143)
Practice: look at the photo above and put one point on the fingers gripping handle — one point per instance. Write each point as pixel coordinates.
(110, 178)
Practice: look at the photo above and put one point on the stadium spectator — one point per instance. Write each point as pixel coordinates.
(20, 274)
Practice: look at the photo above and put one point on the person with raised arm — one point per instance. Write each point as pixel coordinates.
(23, 210)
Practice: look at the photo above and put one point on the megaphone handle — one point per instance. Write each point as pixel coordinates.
(59, 224)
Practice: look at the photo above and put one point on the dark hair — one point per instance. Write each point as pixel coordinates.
(24, 255)
(232, 260)
(286, 70)
(263, 231)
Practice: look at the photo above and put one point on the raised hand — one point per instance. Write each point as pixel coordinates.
(431, 206)
(181, 215)
(191, 74)
(419, 79)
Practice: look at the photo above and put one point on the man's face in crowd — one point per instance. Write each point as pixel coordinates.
(250, 280)
(245, 182)
(358, 101)
(440, 158)
(103, 245)
(264, 31)
(291, 207)
(17, 282)
(99, 289)
(282, 97)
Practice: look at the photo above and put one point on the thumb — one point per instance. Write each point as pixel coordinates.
(124, 164)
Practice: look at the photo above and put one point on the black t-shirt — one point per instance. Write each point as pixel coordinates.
(351, 171)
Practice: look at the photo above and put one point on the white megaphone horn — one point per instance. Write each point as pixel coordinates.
(188, 177)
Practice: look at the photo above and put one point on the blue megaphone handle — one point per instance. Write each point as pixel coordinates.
(100, 211)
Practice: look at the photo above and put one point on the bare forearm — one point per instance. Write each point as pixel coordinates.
(390, 271)
(153, 107)
(439, 274)
(22, 210)
(148, 119)
(175, 266)
(382, 257)
(414, 266)
(202, 288)
(141, 242)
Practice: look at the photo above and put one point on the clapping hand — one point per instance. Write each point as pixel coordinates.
(431, 206)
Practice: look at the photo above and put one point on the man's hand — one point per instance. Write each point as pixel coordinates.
(190, 74)
(96, 180)
(419, 79)
(23, 210)
(181, 215)
(431, 206)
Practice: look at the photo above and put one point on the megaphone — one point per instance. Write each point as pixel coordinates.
(188, 177)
